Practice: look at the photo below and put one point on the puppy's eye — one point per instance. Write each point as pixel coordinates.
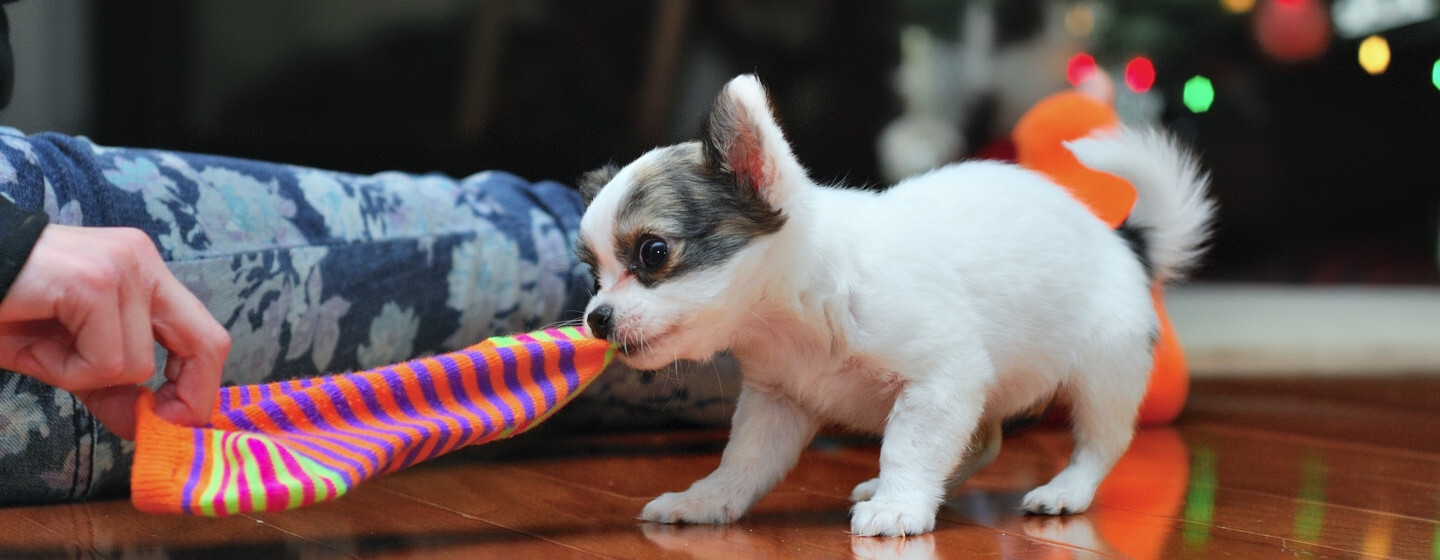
(650, 253)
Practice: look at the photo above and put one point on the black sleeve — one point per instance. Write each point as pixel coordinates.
(19, 229)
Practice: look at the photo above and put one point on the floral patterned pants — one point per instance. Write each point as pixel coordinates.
(315, 272)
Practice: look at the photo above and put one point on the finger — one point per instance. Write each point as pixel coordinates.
(198, 346)
(189, 400)
(137, 339)
(45, 359)
(114, 407)
(17, 340)
(92, 312)
(43, 355)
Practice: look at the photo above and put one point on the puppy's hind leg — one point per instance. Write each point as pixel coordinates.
(984, 447)
(1104, 397)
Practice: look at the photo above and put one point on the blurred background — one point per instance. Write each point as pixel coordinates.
(1319, 119)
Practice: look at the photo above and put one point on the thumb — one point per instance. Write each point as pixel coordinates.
(114, 407)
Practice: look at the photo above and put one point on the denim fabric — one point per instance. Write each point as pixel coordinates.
(315, 272)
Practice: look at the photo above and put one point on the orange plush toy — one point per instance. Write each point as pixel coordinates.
(1039, 144)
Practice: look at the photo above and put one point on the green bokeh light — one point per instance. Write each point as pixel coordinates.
(1435, 75)
(1310, 513)
(1200, 93)
(1199, 511)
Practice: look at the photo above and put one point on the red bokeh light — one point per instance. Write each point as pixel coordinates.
(1140, 74)
(1292, 31)
(1081, 68)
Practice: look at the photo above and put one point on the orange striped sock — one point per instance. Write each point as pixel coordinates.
(293, 443)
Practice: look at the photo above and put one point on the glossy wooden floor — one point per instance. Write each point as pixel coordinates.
(1273, 469)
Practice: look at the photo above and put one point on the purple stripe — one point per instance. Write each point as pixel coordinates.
(567, 365)
(457, 385)
(244, 396)
(537, 370)
(378, 412)
(422, 378)
(355, 428)
(194, 479)
(412, 418)
(286, 387)
(241, 421)
(486, 389)
(277, 415)
(314, 451)
(435, 428)
(324, 455)
(265, 394)
(432, 396)
(512, 380)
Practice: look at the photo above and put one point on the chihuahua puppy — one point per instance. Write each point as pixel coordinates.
(928, 313)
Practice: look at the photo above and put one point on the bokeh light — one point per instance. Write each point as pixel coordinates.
(1080, 21)
(1140, 74)
(1199, 94)
(1375, 55)
(1292, 31)
(1435, 74)
(1080, 68)
(1237, 6)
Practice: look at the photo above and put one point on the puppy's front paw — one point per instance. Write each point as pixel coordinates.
(865, 490)
(880, 517)
(1057, 499)
(691, 506)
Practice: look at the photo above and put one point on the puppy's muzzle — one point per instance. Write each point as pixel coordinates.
(601, 321)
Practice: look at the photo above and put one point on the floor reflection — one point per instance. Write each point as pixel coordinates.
(1134, 515)
(1074, 530)
(1133, 509)
(709, 541)
(920, 547)
(1207, 490)
(1152, 478)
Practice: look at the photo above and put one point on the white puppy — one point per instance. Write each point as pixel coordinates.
(929, 313)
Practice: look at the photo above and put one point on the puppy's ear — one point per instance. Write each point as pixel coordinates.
(742, 140)
(591, 182)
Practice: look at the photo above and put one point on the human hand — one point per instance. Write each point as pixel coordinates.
(84, 315)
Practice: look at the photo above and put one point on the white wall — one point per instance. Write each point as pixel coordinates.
(1239, 330)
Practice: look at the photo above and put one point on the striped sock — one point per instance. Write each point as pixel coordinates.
(293, 443)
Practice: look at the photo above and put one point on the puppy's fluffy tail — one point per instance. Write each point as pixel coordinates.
(1172, 217)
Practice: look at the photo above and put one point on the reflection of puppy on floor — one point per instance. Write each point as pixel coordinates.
(918, 547)
(929, 313)
(1076, 531)
(718, 542)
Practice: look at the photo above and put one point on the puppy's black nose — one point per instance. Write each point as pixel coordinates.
(601, 321)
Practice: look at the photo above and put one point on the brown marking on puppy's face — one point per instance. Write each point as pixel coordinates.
(674, 237)
(591, 182)
(678, 199)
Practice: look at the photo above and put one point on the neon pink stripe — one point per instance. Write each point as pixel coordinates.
(330, 487)
(226, 474)
(267, 482)
(242, 480)
(307, 479)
